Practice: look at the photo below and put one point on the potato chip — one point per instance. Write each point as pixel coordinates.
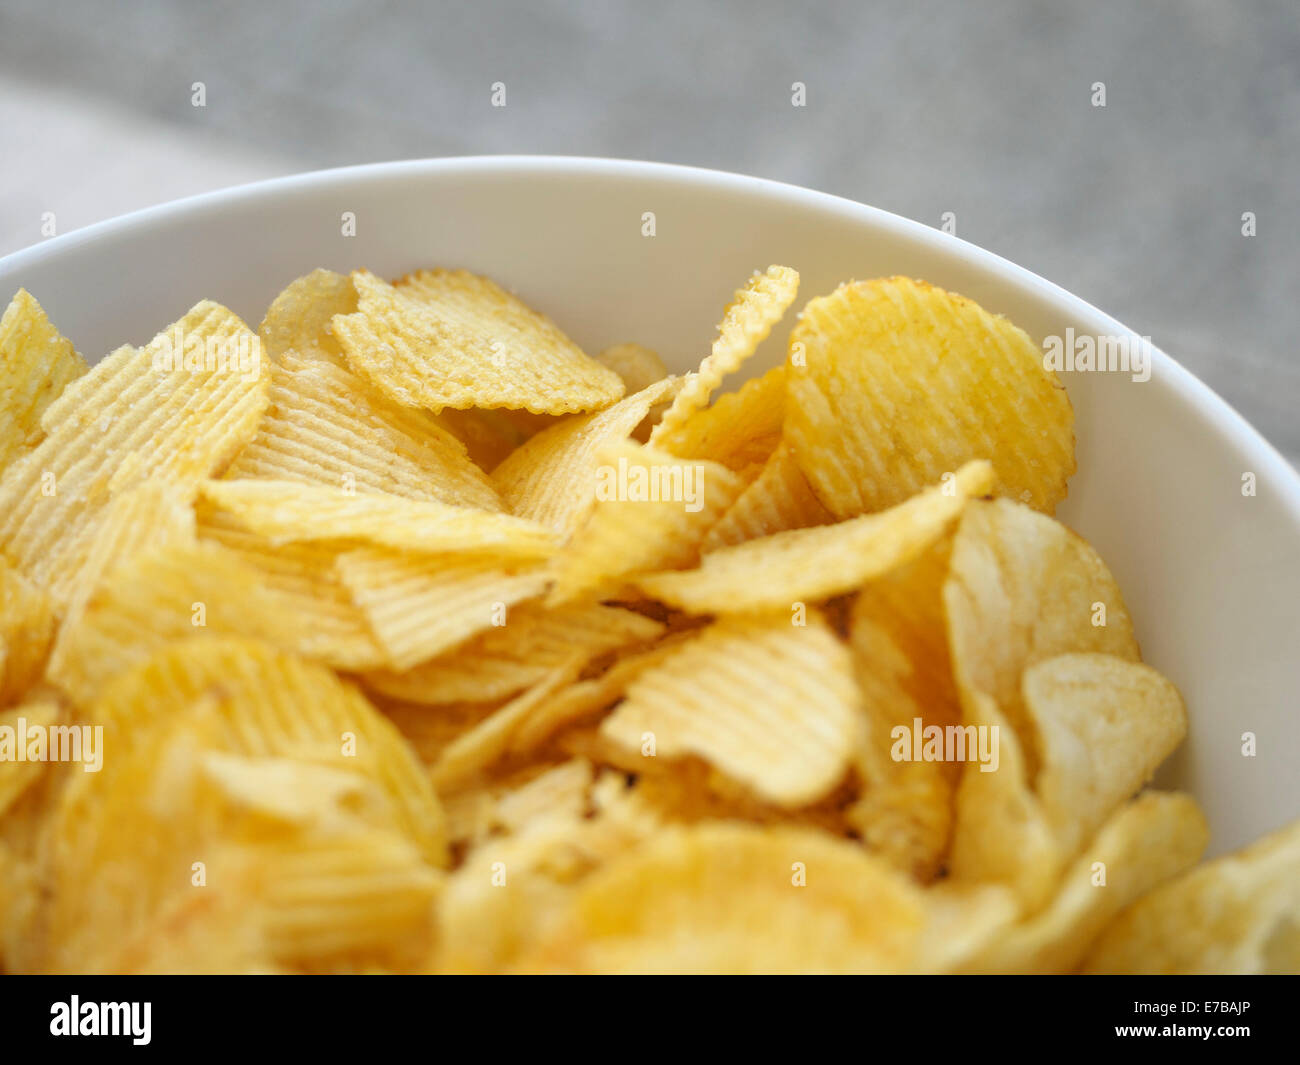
(419, 606)
(777, 500)
(36, 363)
(736, 898)
(326, 426)
(638, 367)
(27, 625)
(488, 435)
(288, 512)
(900, 657)
(176, 410)
(748, 320)
(1239, 914)
(448, 338)
(771, 703)
(299, 318)
(552, 478)
(652, 511)
(739, 429)
(305, 581)
(506, 659)
(894, 381)
(808, 565)
(1146, 842)
(1023, 588)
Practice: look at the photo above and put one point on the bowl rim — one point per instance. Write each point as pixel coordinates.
(1213, 410)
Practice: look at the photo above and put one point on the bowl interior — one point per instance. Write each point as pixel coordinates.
(1212, 575)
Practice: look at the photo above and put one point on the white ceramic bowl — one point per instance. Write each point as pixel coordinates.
(1212, 577)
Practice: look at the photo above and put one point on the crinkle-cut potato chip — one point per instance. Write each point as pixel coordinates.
(299, 318)
(173, 592)
(806, 565)
(893, 381)
(1022, 588)
(421, 605)
(18, 726)
(1144, 843)
(304, 579)
(652, 511)
(327, 426)
(552, 478)
(1238, 915)
(1103, 726)
(289, 512)
(900, 658)
(777, 500)
(165, 412)
(449, 338)
(738, 429)
(639, 367)
(27, 626)
(745, 324)
(429, 730)
(506, 659)
(771, 703)
(738, 898)
(36, 363)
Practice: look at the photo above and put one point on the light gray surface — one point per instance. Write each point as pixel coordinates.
(983, 110)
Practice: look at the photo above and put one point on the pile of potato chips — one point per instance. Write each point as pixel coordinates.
(409, 637)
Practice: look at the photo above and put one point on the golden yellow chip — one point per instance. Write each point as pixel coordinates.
(488, 435)
(507, 659)
(652, 511)
(1023, 588)
(448, 338)
(1238, 914)
(27, 625)
(36, 363)
(177, 410)
(26, 733)
(808, 565)
(893, 381)
(739, 428)
(777, 500)
(289, 512)
(552, 478)
(745, 324)
(419, 606)
(1146, 842)
(900, 657)
(638, 367)
(737, 898)
(299, 318)
(769, 700)
(326, 426)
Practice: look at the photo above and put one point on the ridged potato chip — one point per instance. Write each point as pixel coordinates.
(448, 338)
(36, 363)
(738, 429)
(419, 606)
(1238, 915)
(552, 478)
(299, 318)
(326, 426)
(176, 410)
(288, 512)
(748, 320)
(777, 500)
(737, 898)
(771, 703)
(808, 565)
(652, 511)
(27, 627)
(893, 381)
(506, 659)
(1143, 844)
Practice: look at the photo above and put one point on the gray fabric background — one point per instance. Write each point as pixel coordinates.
(982, 109)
